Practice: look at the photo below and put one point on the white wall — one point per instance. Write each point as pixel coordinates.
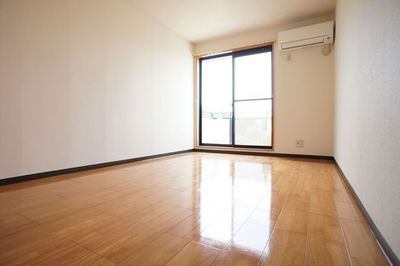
(89, 81)
(303, 91)
(367, 127)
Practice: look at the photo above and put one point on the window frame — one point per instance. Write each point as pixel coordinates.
(268, 47)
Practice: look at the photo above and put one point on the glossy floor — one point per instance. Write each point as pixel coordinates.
(188, 209)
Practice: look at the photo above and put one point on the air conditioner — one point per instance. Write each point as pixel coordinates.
(313, 35)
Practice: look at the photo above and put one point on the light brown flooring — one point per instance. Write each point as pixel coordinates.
(188, 209)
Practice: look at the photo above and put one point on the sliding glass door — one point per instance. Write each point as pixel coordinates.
(236, 99)
(217, 100)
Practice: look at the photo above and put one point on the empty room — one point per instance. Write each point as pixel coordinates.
(214, 132)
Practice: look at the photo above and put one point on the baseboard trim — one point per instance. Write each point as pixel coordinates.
(23, 178)
(272, 154)
(379, 237)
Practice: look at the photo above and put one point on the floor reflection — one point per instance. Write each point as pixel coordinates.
(234, 202)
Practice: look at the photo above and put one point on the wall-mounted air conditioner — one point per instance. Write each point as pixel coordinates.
(313, 35)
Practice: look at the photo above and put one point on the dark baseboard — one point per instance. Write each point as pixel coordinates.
(382, 242)
(23, 178)
(272, 154)
(18, 179)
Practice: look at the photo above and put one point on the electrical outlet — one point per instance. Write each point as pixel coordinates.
(299, 143)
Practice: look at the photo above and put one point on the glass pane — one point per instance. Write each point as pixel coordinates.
(253, 123)
(216, 100)
(253, 76)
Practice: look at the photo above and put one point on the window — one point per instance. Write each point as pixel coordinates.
(236, 99)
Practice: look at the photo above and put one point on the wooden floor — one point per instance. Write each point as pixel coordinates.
(188, 209)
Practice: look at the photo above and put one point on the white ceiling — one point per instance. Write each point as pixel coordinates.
(199, 20)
